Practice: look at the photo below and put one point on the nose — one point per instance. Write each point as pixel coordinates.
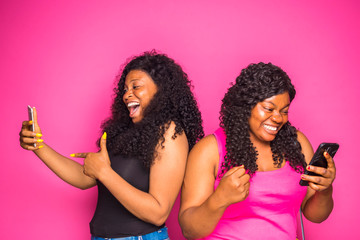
(277, 117)
(127, 94)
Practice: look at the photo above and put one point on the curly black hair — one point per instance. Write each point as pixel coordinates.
(256, 83)
(173, 102)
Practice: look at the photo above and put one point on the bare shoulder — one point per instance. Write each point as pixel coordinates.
(169, 133)
(170, 130)
(301, 137)
(206, 146)
(306, 147)
(205, 153)
(207, 143)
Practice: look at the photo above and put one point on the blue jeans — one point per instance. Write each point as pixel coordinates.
(161, 234)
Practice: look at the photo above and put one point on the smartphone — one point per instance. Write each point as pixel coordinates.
(31, 118)
(319, 160)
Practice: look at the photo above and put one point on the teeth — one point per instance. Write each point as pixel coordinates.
(270, 127)
(132, 104)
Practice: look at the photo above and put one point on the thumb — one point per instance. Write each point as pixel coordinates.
(329, 159)
(103, 143)
(37, 129)
(232, 170)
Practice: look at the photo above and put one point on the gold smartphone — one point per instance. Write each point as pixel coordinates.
(31, 118)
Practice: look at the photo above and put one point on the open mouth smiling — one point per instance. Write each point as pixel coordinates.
(133, 107)
(270, 128)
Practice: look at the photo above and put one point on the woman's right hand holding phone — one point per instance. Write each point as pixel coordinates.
(28, 137)
(67, 169)
(326, 175)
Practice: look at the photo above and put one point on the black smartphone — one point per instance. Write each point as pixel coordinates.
(319, 160)
(31, 118)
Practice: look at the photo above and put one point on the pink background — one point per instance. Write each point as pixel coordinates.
(63, 56)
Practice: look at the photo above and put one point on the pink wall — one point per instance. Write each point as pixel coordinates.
(62, 57)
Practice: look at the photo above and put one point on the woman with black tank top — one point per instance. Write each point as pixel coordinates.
(141, 163)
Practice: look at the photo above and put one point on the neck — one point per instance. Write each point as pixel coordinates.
(259, 144)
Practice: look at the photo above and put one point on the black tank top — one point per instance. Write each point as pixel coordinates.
(111, 218)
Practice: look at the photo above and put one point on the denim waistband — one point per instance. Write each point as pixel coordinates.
(161, 234)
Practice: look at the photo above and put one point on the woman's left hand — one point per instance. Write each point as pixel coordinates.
(95, 163)
(326, 178)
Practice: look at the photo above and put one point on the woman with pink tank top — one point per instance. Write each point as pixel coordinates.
(242, 182)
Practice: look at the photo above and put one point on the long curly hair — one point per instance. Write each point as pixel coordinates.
(173, 102)
(256, 83)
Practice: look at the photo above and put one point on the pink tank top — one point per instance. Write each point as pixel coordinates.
(271, 208)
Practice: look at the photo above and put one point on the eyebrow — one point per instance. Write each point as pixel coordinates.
(132, 80)
(276, 105)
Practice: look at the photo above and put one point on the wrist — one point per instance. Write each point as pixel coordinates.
(327, 192)
(104, 173)
(217, 200)
(39, 146)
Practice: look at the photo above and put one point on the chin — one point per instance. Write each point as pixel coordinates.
(136, 119)
(269, 138)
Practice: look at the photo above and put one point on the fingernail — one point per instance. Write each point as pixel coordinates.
(41, 146)
(39, 140)
(72, 155)
(39, 135)
(303, 177)
(104, 135)
(326, 154)
(308, 168)
(30, 122)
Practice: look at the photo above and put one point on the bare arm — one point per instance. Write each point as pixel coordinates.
(166, 175)
(202, 207)
(318, 202)
(68, 170)
(65, 168)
